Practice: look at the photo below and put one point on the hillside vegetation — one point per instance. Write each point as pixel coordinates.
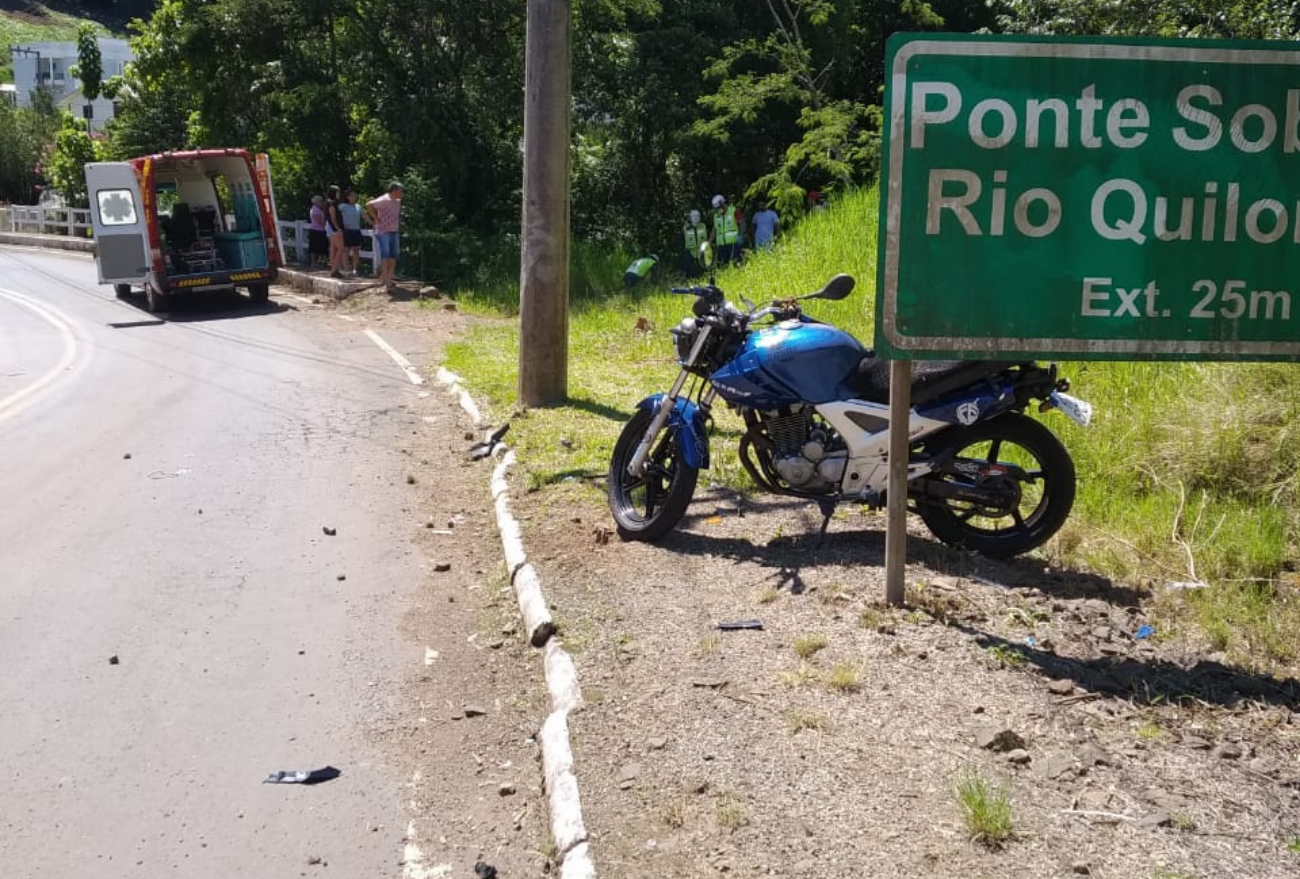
(35, 23)
(1187, 474)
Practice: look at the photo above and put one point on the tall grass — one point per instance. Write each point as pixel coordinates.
(1188, 472)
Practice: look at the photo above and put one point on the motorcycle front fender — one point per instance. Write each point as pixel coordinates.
(686, 421)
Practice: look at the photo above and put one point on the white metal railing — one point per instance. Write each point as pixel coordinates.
(49, 220)
(76, 221)
(293, 234)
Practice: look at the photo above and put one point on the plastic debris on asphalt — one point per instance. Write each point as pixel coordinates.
(739, 624)
(310, 776)
(479, 451)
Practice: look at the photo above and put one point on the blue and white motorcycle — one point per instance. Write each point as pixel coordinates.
(815, 403)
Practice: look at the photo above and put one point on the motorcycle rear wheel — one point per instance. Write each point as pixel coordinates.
(1026, 478)
(648, 506)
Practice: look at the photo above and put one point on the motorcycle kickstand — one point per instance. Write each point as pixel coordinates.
(827, 508)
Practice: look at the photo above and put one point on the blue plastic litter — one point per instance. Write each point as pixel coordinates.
(1145, 631)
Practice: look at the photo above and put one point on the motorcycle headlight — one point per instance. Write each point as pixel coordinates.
(684, 337)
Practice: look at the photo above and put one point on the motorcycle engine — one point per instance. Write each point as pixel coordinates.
(807, 453)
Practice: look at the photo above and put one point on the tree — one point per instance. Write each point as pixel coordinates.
(1240, 19)
(90, 61)
(65, 166)
(25, 132)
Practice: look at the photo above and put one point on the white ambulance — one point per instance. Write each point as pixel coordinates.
(185, 222)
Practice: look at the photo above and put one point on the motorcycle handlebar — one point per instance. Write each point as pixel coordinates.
(695, 291)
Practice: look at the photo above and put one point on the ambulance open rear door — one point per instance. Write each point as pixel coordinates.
(118, 219)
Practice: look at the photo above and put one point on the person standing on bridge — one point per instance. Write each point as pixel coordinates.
(386, 216)
(350, 214)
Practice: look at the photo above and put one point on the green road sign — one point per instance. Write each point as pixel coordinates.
(1092, 199)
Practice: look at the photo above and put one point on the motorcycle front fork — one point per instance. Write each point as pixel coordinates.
(637, 464)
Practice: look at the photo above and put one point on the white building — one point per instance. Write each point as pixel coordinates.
(47, 64)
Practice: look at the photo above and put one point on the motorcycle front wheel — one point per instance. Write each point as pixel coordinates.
(647, 507)
(1004, 486)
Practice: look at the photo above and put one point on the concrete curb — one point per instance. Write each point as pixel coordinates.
(310, 284)
(49, 242)
(563, 801)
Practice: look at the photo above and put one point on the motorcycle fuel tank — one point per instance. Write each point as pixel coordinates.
(791, 362)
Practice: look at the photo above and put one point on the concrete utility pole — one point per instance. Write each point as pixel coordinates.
(544, 236)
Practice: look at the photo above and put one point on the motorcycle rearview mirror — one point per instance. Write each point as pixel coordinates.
(705, 259)
(836, 288)
(705, 256)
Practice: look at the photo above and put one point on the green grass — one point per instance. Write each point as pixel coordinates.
(1293, 845)
(806, 646)
(844, 678)
(798, 720)
(985, 809)
(1004, 656)
(1149, 730)
(730, 813)
(1188, 472)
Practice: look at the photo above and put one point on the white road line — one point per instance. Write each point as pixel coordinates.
(411, 372)
(18, 400)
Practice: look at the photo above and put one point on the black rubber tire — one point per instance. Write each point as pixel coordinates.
(259, 292)
(155, 301)
(1002, 529)
(122, 290)
(649, 507)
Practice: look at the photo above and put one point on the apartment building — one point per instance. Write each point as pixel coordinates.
(48, 64)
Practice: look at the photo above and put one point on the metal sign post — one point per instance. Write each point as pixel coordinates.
(900, 406)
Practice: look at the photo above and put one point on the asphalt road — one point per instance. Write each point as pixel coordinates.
(174, 623)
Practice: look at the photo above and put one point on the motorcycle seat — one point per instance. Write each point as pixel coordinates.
(931, 379)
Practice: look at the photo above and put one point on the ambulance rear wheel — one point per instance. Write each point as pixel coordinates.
(122, 290)
(154, 300)
(259, 292)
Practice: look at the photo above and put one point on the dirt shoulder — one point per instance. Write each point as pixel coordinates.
(833, 739)
(707, 752)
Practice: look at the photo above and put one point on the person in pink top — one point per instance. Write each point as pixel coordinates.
(386, 215)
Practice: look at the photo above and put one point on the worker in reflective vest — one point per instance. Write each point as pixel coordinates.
(694, 233)
(726, 231)
(639, 270)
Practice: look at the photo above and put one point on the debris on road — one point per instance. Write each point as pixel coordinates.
(1003, 740)
(329, 532)
(737, 625)
(479, 451)
(484, 870)
(113, 660)
(312, 776)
